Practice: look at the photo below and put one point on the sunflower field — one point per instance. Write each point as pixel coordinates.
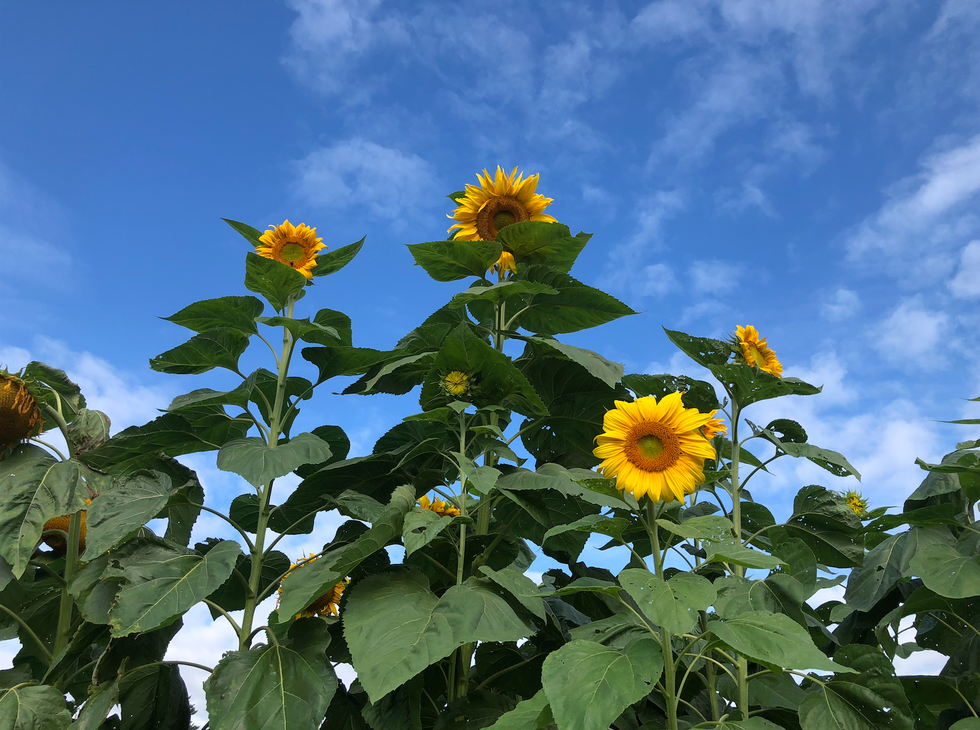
(522, 446)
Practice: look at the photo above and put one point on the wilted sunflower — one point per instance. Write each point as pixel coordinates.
(20, 418)
(56, 541)
(857, 503)
(654, 449)
(438, 506)
(496, 203)
(756, 352)
(325, 605)
(295, 246)
(456, 383)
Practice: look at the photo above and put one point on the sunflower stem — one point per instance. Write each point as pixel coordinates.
(670, 674)
(71, 565)
(464, 654)
(741, 664)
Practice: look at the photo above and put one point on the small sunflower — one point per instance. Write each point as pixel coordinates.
(714, 427)
(756, 352)
(857, 503)
(56, 541)
(20, 418)
(496, 203)
(654, 449)
(295, 246)
(456, 383)
(505, 263)
(325, 605)
(438, 506)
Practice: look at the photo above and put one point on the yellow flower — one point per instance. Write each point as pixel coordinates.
(325, 605)
(497, 202)
(756, 352)
(20, 418)
(456, 383)
(438, 506)
(654, 449)
(504, 264)
(857, 503)
(295, 246)
(56, 541)
(714, 427)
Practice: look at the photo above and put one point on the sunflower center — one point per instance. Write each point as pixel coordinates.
(499, 213)
(292, 252)
(652, 446)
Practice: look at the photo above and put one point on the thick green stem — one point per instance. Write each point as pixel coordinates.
(670, 673)
(742, 664)
(71, 565)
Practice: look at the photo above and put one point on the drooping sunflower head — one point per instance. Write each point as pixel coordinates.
(20, 417)
(498, 201)
(654, 449)
(325, 605)
(56, 541)
(295, 246)
(456, 383)
(438, 506)
(506, 263)
(756, 352)
(714, 427)
(857, 503)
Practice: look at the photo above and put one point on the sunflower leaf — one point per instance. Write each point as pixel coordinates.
(453, 260)
(575, 307)
(237, 313)
(333, 261)
(216, 348)
(250, 234)
(673, 604)
(336, 361)
(697, 393)
(538, 242)
(273, 280)
(258, 463)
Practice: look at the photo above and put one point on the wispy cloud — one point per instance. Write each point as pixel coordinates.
(842, 304)
(911, 335)
(966, 283)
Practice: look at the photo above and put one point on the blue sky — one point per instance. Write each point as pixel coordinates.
(812, 168)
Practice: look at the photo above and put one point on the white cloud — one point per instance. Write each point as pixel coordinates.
(842, 304)
(656, 280)
(911, 335)
(715, 276)
(392, 184)
(966, 283)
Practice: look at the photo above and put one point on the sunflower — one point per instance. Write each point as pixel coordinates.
(295, 246)
(325, 605)
(654, 449)
(495, 203)
(438, 506)
(857, 503)
(56, 541)
(714, 427)
(20, 418)
(456, 383)
(756, 352)
(505, 263)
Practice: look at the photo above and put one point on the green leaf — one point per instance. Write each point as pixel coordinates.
(773, 640)
(268, 686)
(575, 307)
(163, 581)
(589, 685)
(304, 329)
(673, 604)
(35, 488)
(477, 613)
(882, 569)
(128, 504)
(605, 370)
(713, 528)
(498, 293)
(276, 281)
(97, 707)
(586, 585)
(54, 387)
(421, 527)
(868, 698)
(519, 586)
(333, 261)
(34, 707)
(250, 234)
(537, 242)
(737, 554)
(833, 462)
(259, 464)
(235, 313)
(217, 348)
(753, 723)
(154, 698)
(947, 572)
(88, 431)
(697, 393)
(530, 714)
(334, 361)
(827, 525)
(610, 526)
(968, 723)
(454, 260)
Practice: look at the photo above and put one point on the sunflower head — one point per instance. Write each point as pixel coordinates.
(325, 605)
(456, 383)
(755, 352)
(56, 541)
(438, 506)
(20, 417)
(654, 449)
(714, 427)
(497, 202)
(295, 246)
(857, 503)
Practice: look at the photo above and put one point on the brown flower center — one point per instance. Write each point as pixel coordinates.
(652, 446)
(499, 213)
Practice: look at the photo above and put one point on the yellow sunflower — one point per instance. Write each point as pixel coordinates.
(56, 541)
(438, 506)
(654, 449)
(20, 418)
(505, 263)
(857, 503)
(756, 352)
(325, 605)
(495, 203)
(456, 383)
(295, 246)
(714, 427)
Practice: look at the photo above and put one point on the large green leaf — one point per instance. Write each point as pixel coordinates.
(882, 569)
(833, 462)
(738, 554)
(250, 234)
(331, 262)
(575, 307)
(34, 707)
(519, 586)
(163, 581)
(154, 698)
(88, 431)
(128, 504)
(35, 488)
(334, 361)
(236, 313)
(772, 639)
(216, 348)
(477, 613)
(827, 525)
(97, 707)
(869, 698)
(454, 260)
(55, 389)
(258, 463)
(947, 572)
(697, 393)
(537, 242)
(713, 528)
(588, 685)
(273, 280)
(421, 527)
(674, 603)
(605, 370)
(498, 293)
(267, 687)
(530, 714)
